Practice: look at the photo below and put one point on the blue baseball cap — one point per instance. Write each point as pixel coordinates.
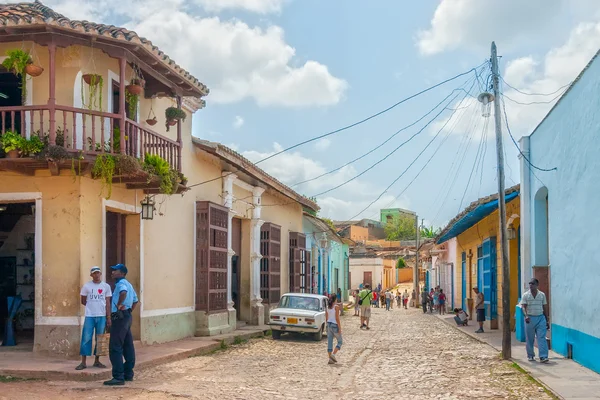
(121, 267)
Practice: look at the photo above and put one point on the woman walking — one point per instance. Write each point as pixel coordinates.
(356, 305)
(334, 329)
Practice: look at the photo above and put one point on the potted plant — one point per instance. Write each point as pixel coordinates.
(11, 143)
(173, 115)
(96, 84)
(132, 100)
(17, 61)
(136, 86)
(32, 146)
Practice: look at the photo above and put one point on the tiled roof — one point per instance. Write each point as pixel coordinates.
(36, 13)
(247, 166)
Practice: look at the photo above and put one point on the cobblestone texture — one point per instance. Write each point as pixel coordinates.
(406, 355)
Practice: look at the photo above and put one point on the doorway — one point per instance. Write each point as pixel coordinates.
(368, 278)
(122, 240)
(17, 269)
(10, 86)
(236, 275)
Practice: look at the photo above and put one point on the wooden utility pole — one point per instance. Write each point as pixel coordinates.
(506, 339)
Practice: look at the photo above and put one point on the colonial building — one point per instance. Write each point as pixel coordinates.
(80, 114)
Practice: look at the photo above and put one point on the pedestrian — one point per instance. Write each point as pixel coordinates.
(124, 301)
(388, 300)
(356, 305)
(461, 317)
(436, 299)
(480, 307)
(398, 299)
(535, 309)
(95, 295)
(365, 300)
(340, 301)
(405, 299)
(424, 300)
(431, 293)
(442, 302)
(334, 329)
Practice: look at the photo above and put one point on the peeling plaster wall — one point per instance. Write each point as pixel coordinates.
(568, 139)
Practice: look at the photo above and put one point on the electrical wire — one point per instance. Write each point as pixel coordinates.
(536, 94)
(475, 163)
(347, 126)
(536, 102)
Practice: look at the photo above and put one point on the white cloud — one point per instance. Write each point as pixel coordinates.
(257, 6)
(475, 23)
(323, 144)
(236, 61)
(341, 204)
(238, 122)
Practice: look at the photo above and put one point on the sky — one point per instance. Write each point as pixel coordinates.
(285, 71)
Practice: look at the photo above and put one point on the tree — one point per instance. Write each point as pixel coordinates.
(401, 228)
(401, 263)
(430, 232)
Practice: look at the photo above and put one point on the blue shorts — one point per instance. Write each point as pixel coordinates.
(91, 325)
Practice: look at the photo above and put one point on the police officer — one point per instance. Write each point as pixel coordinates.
(124, 301)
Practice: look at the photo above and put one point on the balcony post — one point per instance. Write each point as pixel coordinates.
(52, 92)
(122, 112)
(179, 137)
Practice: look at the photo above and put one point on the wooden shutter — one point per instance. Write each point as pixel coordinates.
(270, 264)
(297, 251)
(211, 257)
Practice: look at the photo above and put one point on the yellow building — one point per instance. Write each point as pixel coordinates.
(217, 248)
(479, 257)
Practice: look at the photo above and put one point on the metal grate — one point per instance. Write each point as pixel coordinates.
(211, 257)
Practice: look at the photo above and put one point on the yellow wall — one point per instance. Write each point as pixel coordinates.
(474, 237)
(359, 233)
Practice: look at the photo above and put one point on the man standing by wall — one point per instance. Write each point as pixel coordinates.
(124, 301)
(480, 307)
(535, 310)
(95, 296)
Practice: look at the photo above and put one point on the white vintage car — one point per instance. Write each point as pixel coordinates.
(299, 312)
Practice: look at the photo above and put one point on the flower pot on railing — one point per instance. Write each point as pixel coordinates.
(33, 70)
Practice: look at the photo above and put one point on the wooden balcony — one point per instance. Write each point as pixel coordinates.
(85, 134)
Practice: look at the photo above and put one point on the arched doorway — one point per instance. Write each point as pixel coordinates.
(541, 228)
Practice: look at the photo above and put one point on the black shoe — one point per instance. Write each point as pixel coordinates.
(114, 382)
(128, 379)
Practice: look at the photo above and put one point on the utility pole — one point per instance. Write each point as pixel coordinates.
(416, 271)
(506, 339)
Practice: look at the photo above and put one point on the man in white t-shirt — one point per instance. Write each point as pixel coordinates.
(95, 296)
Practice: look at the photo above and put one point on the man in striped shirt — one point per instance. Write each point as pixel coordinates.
(535, 309)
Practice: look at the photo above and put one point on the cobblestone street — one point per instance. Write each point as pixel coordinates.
(405, 355)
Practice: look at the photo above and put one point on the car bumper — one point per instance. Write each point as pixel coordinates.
(293, 328)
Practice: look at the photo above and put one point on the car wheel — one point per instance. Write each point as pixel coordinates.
(276, 334)
(319, 335)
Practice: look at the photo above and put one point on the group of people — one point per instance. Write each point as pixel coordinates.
(434, 300)
(107, 308)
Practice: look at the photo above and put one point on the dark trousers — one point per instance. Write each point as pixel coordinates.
(121, 346)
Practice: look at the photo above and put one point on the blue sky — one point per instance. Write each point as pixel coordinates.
(283, 71)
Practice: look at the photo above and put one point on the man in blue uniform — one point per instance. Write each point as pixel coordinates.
(124, 301)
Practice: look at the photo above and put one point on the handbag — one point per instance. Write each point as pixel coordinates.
(102, 342)
(361, 300)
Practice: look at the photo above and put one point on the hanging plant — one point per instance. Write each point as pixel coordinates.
(158, 166)
(96, 86)
(136, 86)
(172, 115)
(132, 102)
(16, 61)
(104, 169)
(151, 121)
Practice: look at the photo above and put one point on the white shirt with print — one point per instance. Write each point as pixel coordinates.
(96, 294)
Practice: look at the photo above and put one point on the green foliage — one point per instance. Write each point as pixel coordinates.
(95, 89)
(401, 263)
(169, 178)
(60, 138)
(132, 102)
(13, 141)
(401, 228)
(329, 222)
(430, 232)
(174, 114)
(104, 169)
(16, 61)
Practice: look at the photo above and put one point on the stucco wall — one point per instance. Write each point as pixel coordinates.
(568, 140)
(358, 266)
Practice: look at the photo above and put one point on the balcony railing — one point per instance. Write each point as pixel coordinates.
(90, 132)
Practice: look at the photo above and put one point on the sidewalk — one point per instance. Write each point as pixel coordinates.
(564, 377)
(20, 364)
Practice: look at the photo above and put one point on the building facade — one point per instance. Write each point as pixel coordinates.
(558, 207)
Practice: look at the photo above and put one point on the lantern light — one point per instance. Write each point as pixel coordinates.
(511, 232)
(485, 99)
(147, 208)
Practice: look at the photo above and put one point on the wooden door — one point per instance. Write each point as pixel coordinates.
(270, 264)
(236, 246)
(115, 243)
(368, 278)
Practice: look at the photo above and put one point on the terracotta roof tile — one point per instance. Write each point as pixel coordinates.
(36, 13)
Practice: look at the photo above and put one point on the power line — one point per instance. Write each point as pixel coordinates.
(536, 94)
(389, 154)
(475, 163)
(534, 102)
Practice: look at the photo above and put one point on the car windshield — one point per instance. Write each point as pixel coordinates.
(299, 303)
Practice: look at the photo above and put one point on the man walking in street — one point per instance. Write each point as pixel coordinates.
(95, 296)
(365, 298)
(388, 300)
(424, 300)
(535, 310)
(124, 301)
(480, 307)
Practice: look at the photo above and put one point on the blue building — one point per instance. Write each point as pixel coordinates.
(559, 208)
(329, 256)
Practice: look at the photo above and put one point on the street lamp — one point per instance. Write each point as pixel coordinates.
(511, 232)
(485, 99)
(147, 208)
